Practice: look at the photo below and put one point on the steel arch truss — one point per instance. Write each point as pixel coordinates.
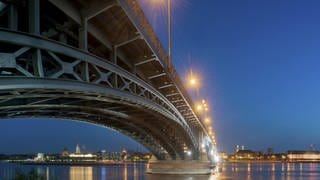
(44, 78)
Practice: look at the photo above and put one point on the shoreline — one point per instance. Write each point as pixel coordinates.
(76, 163)
(270, 161)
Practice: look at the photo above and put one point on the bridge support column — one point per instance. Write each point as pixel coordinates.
(179, 167)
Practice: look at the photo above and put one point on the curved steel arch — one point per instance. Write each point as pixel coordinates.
(37, 97)
(129, 81)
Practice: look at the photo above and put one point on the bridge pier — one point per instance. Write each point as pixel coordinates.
(179, 167)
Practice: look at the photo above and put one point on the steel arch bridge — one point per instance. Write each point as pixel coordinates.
(97, 61)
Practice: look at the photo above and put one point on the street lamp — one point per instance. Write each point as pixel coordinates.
(199, 107)
(162, 2)
(193, 81)
(169, 29)
(207, 120)
(169, 23)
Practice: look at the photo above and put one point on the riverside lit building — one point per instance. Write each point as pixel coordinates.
(304, 156)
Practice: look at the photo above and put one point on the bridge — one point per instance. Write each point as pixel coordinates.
(98, 61)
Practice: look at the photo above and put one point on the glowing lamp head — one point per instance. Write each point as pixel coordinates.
(189, 153)
(199, 107)
(193, 81)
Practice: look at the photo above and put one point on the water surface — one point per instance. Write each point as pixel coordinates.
(224, 171)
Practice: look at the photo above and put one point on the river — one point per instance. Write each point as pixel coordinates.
(224, 171)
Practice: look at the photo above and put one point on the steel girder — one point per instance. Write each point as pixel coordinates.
(31, 63)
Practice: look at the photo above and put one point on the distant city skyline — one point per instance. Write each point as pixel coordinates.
(36, 137)
(259, 62)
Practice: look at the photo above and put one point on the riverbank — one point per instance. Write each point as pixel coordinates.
(270, 161)
(76, 163)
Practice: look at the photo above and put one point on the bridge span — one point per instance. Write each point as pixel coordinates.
(97, 61)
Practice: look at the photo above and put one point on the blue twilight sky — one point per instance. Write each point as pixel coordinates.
(259, 62)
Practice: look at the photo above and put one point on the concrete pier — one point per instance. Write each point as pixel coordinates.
(179, 167)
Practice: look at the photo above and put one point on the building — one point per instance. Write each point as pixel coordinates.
(82, 156)
(223, 156)
(65, 152)
(246, 155)
(78, 151)
(39, 157)
(303, 156)
(124, 154)
(237, 148)
(269, 151)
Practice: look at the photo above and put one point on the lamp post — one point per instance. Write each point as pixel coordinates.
(169, 29)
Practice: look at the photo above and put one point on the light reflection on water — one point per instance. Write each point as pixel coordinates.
(249, 171)
(80, 173)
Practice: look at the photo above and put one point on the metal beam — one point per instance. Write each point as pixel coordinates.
(31, 83)
(158, 75)
(180, 100)
(184, 105)
(83, 35)
(75, 14)
(13, 17)
(128, 41)
(145, 61)
(97, 7)
(165, 86)
(105, 111)
(31, 41)
(41, 101)
(37, 63)
(68, 9)
(34, 16)
(173, 94)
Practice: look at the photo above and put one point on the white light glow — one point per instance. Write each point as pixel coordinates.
(189, 153)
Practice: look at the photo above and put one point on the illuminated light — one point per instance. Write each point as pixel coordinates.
(207, 120)
(193, 80)
(204, 102)
(210, 128)
(216, 158)
(199, 107)
(206, 109)
(189, 153)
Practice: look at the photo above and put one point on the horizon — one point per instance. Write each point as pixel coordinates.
(259, 65)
